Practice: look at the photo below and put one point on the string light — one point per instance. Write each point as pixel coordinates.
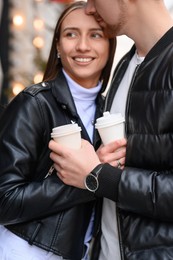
(18, 20)
(38, 42)
(38, 77)
(29, 34)
(17, 88)
(38, 24)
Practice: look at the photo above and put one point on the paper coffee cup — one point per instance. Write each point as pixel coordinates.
(68, 135)
(110, 127)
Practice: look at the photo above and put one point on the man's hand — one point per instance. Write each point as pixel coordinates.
(73, 165)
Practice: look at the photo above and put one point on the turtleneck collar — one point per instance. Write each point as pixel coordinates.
(79, 92)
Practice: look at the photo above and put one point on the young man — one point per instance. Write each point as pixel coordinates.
(142, 90)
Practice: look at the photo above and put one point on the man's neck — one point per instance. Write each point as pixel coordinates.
(149, 26)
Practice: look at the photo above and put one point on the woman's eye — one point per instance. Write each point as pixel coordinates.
(96, 35)
(71, 34)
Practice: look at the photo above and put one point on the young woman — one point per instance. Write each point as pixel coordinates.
(40, 217)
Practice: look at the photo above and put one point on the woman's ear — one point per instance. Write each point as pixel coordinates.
(58, 55)
(58, 52)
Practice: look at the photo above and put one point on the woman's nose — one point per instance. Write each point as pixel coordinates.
(83, 44)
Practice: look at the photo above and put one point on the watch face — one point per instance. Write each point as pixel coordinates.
(91, 183)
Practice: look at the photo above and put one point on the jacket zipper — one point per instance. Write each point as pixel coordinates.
(119, 233)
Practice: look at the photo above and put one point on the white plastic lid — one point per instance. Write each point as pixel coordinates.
(65, 129)
(109, 119)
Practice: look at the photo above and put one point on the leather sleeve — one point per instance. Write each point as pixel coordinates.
(145, 192)
(24, 161)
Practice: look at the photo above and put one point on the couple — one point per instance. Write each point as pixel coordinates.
(136, 221)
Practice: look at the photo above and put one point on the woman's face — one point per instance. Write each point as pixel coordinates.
(83, 48)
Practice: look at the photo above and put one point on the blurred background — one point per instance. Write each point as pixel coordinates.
(26, 28)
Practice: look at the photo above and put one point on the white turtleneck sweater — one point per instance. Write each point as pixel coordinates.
(84, 100)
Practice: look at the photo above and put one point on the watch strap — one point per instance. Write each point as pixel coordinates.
(97, 170)
(91, 181)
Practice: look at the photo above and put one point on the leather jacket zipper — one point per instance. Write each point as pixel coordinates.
(119, 233)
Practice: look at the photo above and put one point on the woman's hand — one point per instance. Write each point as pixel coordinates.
(113, 153)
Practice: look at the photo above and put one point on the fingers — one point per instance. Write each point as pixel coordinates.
(73, 165)
(118, 163)
(113, 146)
(62, 150)
(116, 144)
(113, 153)
(58, 148)
(114, 156)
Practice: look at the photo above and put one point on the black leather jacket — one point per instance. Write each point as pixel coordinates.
(43, 211)
(144, 189)
(1, 109)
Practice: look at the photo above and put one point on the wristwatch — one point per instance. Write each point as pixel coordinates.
(91, 181)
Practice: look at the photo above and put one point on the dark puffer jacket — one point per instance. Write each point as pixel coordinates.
(144, 189)
(43, 211)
